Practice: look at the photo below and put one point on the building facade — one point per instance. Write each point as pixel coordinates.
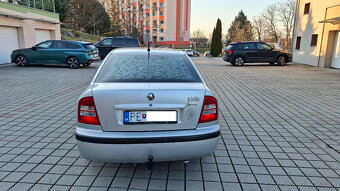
(163, 22)
(24, 25)
(316, 36)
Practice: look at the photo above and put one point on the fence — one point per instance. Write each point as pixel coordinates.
(46, 5)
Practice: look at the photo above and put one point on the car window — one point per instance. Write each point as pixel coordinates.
(263, 46)
(235, 46)
(132, 43)
(249, 46)
(140, 68)
(120, 42)
(58, 45)
(45, 45)
(106, 42)
(73, 46)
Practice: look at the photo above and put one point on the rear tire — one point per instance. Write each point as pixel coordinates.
(281, 61)
(73, 62)
(21, 61)
(239, 61)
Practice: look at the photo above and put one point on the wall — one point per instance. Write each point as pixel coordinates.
(308, 24)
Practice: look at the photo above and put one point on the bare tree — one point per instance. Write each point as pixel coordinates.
(259, 28)
(271, 22)
(286, 12)
(199, 38)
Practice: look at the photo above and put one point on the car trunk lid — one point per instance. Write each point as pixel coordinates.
(113, 99)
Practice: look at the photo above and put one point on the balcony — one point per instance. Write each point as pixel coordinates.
(45, 5)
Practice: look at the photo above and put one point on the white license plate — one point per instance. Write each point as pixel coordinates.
(132, 117)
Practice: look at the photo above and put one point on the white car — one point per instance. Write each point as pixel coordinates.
(147, 106)
(189, 52)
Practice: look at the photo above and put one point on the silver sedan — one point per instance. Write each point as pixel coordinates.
(147, 105)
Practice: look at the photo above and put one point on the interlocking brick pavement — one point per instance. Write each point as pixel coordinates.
(280, 131)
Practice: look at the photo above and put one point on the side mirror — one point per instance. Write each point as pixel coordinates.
(34, 48)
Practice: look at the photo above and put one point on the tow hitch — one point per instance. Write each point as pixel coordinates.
(149, 164)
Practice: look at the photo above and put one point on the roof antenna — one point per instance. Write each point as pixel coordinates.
(149, 46)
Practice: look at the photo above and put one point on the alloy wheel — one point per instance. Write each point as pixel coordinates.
(21, 61)
(239, 61)
(72, 63)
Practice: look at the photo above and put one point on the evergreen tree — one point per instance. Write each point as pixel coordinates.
(240, 29)
(216, 41)
(62, 7)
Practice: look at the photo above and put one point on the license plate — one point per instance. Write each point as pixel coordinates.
(137, 117)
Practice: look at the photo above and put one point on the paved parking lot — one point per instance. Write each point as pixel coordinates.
(280, 131)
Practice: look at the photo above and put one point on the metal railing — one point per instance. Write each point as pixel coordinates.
(46, 5)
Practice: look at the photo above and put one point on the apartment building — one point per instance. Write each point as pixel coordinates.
(316, 36)
(26, 23)
(163, 22)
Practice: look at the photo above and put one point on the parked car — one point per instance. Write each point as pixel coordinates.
(207, 53)
(106, 45)
(248, 52)
(189, 52)
(196, 53)
(160, 111)
(70, 53)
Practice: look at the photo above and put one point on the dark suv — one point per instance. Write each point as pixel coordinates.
(247, 52)
(106, 45)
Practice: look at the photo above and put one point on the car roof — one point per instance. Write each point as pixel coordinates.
(165, 51)
(126, 37)
(244, 42)
(79, 42)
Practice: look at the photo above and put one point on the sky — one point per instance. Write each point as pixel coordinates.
(204, 13)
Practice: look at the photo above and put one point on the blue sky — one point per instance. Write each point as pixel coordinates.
(204, 13)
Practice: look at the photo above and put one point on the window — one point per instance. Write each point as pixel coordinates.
(132, 43)
(298, 43)
(161, 38)
(161, 22)
(307, 8)
(161, 13)
(249, 46)
(44, 45)
(72, 46)
(161, 4)
(106, 42)
(59, 45)
(147, 31)
(162, 30)
(263, 46)
(314, 40)
(138, 67)
(235, 46)
(120, 42)
(147, 14)
(148, 23)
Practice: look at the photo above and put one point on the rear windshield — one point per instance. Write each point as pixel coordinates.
(140, 68)
(90, 46)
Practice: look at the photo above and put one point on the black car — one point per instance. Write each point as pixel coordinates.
(249, 52)
(106, 45)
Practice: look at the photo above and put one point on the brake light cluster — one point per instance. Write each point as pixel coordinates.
(87, 111)
(209, 110)
(230, 51)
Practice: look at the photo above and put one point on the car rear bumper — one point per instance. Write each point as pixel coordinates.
(136, 147)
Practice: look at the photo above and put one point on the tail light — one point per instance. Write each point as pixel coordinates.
(230, 51)
(87, 111)
(209, 110)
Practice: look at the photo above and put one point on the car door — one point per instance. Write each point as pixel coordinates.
(41, 53)
(250, 52)
(105, 47)
(57, 50)
(265, 52)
